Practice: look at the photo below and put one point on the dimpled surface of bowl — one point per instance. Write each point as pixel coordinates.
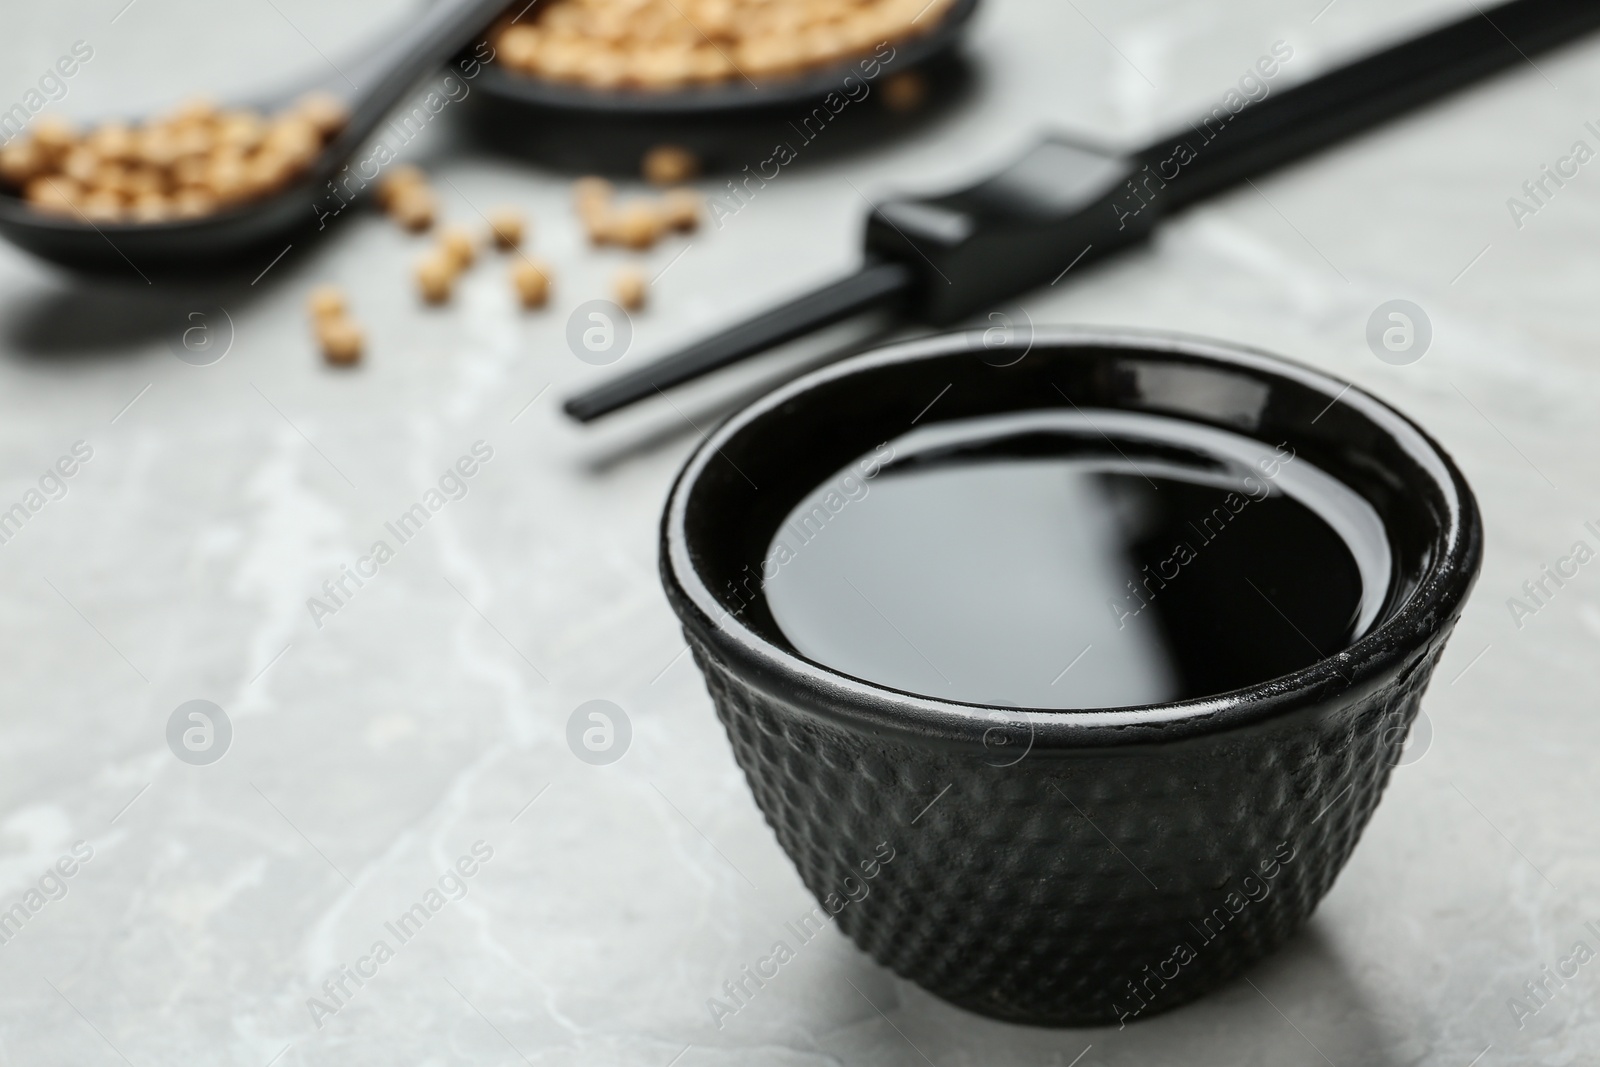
(1059, 891)
(1067, 868)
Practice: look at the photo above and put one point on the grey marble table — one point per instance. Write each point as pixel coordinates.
(211, 909)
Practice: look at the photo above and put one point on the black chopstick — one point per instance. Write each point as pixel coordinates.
(941, 259)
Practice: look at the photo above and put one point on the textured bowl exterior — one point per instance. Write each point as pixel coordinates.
(1058, 891)
(1068, 868)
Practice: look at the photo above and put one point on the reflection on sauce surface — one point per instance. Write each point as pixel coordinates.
(1078, 560)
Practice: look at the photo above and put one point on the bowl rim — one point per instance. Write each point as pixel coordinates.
(1405, 634)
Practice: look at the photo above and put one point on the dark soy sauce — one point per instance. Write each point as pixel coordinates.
(1076, 560)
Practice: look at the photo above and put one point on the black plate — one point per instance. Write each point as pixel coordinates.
(734, 95)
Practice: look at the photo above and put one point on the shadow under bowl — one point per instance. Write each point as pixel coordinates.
(1131, 859)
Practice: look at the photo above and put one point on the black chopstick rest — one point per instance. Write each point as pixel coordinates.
(1063, 202)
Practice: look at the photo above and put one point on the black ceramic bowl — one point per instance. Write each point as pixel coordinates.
(1134, 858)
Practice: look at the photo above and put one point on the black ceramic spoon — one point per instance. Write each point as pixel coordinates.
(370, 89)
